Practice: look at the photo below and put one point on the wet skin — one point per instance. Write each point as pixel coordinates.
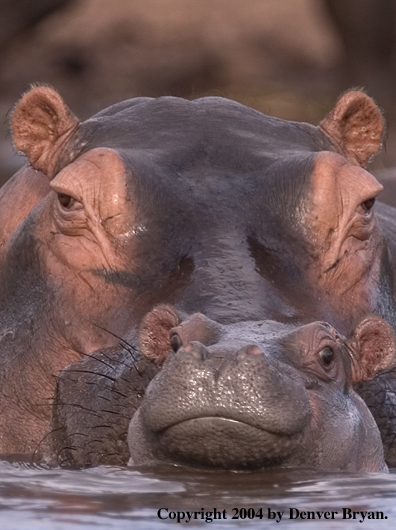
(244, 396)
(206, 205)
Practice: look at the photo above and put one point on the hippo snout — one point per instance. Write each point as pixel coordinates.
(238, 410)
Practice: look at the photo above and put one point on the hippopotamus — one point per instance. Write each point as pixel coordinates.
(243, 396)
(206, 205)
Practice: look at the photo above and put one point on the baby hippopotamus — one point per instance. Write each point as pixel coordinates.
(254, 395)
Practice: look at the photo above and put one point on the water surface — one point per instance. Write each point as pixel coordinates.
(37, 497)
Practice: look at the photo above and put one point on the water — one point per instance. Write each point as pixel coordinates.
(37, 497)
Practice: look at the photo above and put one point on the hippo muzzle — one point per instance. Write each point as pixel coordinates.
(221, 411)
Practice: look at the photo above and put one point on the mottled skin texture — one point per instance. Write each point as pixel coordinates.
(205, 205)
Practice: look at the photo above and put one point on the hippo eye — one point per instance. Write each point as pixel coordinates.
(326, 356)
(66, 200)
(175, 342)
(367, 206)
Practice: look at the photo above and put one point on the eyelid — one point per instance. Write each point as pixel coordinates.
(73, 207)
(325, 338)
(63, 191)
(66, 215)
(326, 343)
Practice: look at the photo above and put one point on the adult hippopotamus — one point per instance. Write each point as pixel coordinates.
(207, 205)
(248, 395)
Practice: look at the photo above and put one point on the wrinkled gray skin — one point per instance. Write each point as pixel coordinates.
(235, 406)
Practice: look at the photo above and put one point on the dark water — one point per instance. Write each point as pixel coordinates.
(35, 497)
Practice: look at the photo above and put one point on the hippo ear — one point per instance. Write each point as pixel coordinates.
(355, 126)
(154, 339)
(372, 348)
(41, 126)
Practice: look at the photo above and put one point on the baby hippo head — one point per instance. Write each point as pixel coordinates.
(258, 394)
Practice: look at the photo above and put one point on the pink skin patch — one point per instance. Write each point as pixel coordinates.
(254, 350)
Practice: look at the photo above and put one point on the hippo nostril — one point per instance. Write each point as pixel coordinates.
(246, 351)
(197, 350)
(176, 342)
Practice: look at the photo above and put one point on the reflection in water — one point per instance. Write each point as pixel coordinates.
(115, 498)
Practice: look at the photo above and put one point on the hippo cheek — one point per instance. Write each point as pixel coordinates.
(341, 433)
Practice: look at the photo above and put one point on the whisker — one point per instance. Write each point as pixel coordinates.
(127, 347)
(92, 373)
(77, 406)
(41, 442)
(70, 458)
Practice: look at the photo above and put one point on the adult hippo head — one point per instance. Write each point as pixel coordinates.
(207, 205)
(248, 395)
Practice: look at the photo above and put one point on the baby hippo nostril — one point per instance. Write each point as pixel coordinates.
(197, 350)
(246, 351)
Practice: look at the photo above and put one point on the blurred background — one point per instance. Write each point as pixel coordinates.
(289, 58)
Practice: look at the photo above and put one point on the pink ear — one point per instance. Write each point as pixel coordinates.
(373, 348)
(355, 126)
(154, 333)
(42, 124)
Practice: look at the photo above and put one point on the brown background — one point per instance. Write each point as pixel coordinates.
(283, 57)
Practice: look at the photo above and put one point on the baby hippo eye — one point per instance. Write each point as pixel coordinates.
(326, 356)
(66, 201)
(175, 342)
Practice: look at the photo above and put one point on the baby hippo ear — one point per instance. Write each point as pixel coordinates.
(154, 333)
(372, 348)
(42, 124)
(355, 126)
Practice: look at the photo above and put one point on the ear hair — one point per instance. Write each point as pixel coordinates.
(372, 348)
(42, 124)
(356, 127)
(154, 333)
